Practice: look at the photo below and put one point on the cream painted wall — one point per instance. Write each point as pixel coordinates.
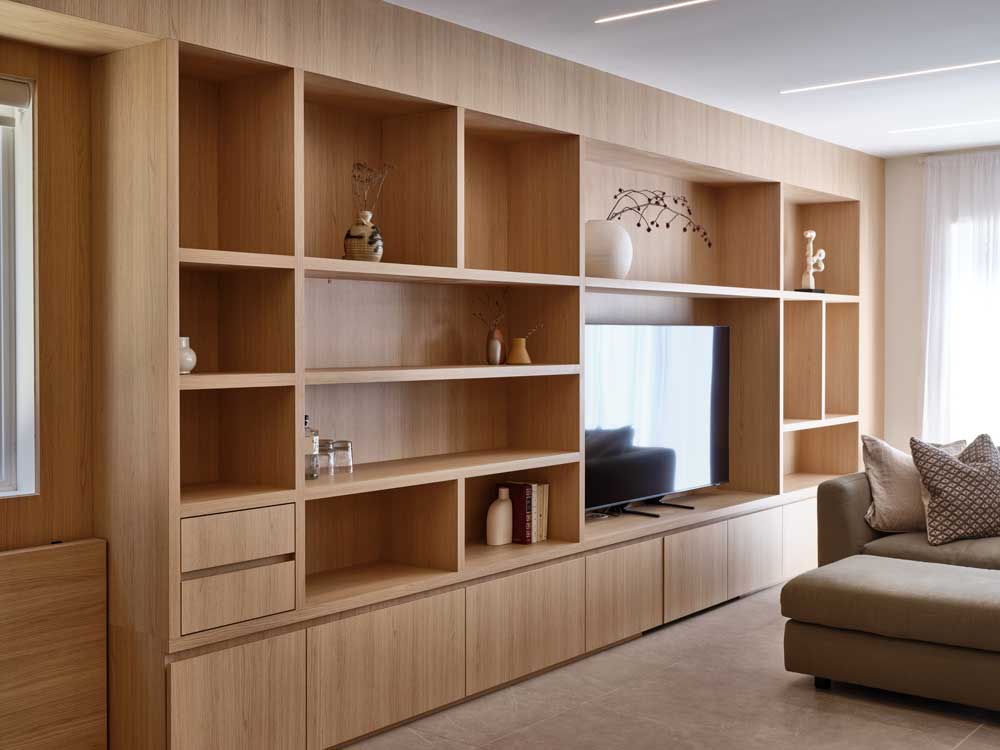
(905, 277)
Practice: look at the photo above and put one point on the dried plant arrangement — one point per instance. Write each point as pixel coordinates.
(366, 183)
(492, 308)
(649, 206)
(533, 331)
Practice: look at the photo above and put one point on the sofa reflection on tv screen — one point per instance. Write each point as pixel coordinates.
(617, 472)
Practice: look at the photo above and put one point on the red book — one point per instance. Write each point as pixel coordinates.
(521, 501)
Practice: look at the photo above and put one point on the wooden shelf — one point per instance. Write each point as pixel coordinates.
(481, 559)
(379, 580)
(197, 381)
(673, 289)
(227, 492)
(411, 374)
(231, 259)
(332, 268)
(711, 505)
(793, 296)
(425, 470)
(793, 425)
(804, 481)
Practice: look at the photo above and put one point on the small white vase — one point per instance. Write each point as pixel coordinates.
(609, 249)
(500, 520)
(187, 359)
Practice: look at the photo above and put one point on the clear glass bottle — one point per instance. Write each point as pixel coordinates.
(341, 457)
(326, 455)
(311, 445)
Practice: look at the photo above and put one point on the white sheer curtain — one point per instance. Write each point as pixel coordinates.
(962, 375)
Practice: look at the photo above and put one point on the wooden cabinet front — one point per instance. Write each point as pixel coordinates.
(372, 670)
(217, 600)
(799, 541)
(236, 537)
(695, 570)
(524, 622)
(249, 697)
(755, 552)
(624, 592)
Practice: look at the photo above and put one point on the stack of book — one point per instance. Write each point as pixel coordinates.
(530, 501)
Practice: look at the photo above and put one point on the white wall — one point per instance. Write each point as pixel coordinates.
(905, 276)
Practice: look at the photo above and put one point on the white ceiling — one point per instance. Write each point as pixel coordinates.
(737, 55)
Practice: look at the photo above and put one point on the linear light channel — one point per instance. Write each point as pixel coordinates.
(971, 123)
(927, 72)
(649, 11)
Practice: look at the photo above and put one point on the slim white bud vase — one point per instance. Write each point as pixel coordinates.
(500, 520)
(187, 359)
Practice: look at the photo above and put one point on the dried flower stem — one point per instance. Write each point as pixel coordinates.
(649, 207)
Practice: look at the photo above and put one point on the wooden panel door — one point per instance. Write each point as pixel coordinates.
(250, 697)
(624, 592)
(372, 670)
(800, 547)
(754, 552)
(524, 622)
(695, 565)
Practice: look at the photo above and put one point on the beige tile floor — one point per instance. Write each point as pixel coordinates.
(712, 681)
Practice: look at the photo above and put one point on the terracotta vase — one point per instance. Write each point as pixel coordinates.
(496, 352)
(518, 354)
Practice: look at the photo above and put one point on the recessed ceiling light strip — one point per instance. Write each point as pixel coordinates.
(649, 11)
(971, 123)
(927, 72)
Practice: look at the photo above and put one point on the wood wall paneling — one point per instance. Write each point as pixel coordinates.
(624, 592)
(63, 507)
(524, 622)
(696, 565)
(249, 697)
(373, 670)
(53, 665)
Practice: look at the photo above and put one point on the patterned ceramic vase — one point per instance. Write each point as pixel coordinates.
(363, 241)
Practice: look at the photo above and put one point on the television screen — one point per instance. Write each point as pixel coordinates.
(656, 411)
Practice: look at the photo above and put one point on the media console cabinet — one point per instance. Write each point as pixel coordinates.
(251, 609)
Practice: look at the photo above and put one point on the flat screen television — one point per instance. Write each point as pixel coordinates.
(656, 411)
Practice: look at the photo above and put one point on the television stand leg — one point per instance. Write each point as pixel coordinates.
(674, 505)
(632, 512)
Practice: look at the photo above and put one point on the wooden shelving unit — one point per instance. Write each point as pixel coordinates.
(389, 374)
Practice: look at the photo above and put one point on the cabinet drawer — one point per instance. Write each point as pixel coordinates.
(241, 536)
(249, 697)
(624, 592)
(695, 565)
(214, 601)
(523, 623)
(799, 535)
(373, 670)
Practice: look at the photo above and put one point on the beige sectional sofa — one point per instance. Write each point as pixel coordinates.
(893, 612)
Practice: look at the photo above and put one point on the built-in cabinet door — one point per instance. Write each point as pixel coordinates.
(799, 533)
(755, 552)
(249, 697)
(695, 570)
(524, 622)
(372, 670)
(624, 592)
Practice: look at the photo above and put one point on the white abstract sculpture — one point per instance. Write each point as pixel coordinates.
(814, 262)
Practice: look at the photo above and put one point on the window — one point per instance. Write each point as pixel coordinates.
(18, 473)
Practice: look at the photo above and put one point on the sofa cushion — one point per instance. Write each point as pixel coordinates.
(971, 553)
(899, 499)
(916, 601)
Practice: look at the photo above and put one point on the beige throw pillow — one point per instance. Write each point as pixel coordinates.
(899, 498)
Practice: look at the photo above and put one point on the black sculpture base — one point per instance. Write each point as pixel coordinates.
(812, 291)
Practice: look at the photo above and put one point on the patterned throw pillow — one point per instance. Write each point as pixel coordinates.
(964, 490)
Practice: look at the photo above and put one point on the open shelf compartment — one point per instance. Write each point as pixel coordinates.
(417, 214)
(837, 223)
(371, 542)
(236, 153)
(432, 325)
(565, 513)
(843, 374)
(239, 320)
(237, 443)
(741, 215)
(521, 208)
(813, 456)
(804, 360)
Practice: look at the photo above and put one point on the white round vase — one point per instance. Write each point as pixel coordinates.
(186, 358)
(609, 249)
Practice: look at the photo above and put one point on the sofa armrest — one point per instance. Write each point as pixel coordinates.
(841, 505)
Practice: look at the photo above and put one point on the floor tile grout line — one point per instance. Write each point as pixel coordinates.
(968, 737)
